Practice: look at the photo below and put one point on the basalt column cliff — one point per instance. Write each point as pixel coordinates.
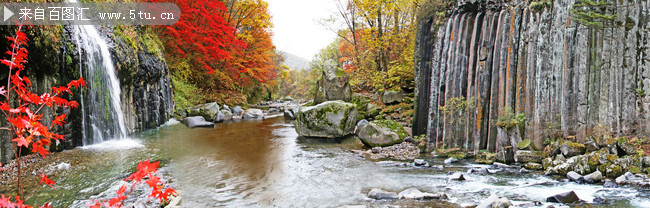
(573, 68)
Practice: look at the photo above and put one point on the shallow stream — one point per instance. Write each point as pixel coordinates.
(265, 164)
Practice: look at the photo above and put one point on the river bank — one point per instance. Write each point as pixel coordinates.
(265, 163)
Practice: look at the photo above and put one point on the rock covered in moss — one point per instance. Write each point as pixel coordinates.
(570, 149)
(330, 119)
(624, 144)
(526, 156)
(391, 97)
(381, 133)
(208, 111)
(533, 166)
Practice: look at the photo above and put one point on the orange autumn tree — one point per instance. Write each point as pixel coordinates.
(256, 65)
(377, 42)
(22, 109)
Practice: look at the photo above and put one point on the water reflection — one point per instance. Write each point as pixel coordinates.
(266, 164)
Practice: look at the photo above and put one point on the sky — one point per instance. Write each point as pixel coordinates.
(296, 25)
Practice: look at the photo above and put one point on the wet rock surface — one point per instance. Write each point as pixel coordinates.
(197, 122)
(566, 198)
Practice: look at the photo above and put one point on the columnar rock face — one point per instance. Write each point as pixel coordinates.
(147, 99)
(571, 75)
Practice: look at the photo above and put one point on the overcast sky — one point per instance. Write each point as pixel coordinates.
(296, 25)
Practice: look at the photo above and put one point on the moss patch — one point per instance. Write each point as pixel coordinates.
(393, 126)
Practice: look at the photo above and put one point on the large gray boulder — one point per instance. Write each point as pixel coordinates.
(526, 156)
(237, 111)
(227, 115)
(330, 119)
(391, 97)
(253, 113)
(196, 121)
(570, 149)
(208, 111)
(219, 117)
(381, 133)
(333, 84)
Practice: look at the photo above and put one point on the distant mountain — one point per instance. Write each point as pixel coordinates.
(295, 62)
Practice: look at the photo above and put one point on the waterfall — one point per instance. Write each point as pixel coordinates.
(102, 116)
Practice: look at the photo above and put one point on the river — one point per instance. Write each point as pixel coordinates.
(265, 164)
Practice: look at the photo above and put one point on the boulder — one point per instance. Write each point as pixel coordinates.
(225, 107)
(379, 194)
(382, 133)
(290, 113)
(625, 145)
(570, 149)
(506, 155)
(626, 178)
(573, 176)
(591, 145)
(391, 97)
(502, 202)
(413, 193)
(450, 160)
(237, 111)
(566, 198)
(196, 121)
(330, 119)
(420, 162)
(526, 156)
(610, 184)
(219, 117)
(208, 111)
(253, 113)
(523, 171)
(594, 177)
(362, 123)
(457, 177)
(287, 98)
(533, 166)
(613, 170)
(227, 114)
(333, 84)
(273, 111)
(495, 201)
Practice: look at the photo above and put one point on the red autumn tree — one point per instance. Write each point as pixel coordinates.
(201, 35)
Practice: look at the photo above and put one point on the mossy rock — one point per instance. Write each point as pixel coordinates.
(380, 133)
(485, 158)
(331, 119)
(614, 171)
(533, 166)
(570, 149)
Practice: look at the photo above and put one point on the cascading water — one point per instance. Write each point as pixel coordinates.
(102, 115)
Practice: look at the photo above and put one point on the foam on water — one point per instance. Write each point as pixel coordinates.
(171, 122)
(116, 144)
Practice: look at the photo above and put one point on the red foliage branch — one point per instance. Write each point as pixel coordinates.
(145, 169)
(27, 129)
